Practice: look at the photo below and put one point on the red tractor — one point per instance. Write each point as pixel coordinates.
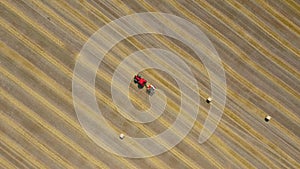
(142, 82)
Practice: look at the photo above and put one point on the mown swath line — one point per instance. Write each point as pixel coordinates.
(32, 46)
(260, 94)
(75, 15)
(248, 128)
(272, 147)
(234, 136)
(239, 7)
(59, 90)
(239, 99)
(107, 80)
(67, 141)
(293, 5)
(16, 158)
(26, 89)
(19, 150)
(285, 22)
(46, 80)
(272, 157)
(30, 138)
(229, 91)
(63, 116)
(34, 24)
(148, 132)
(37, 49)
(76, 125)
(55, 17)
(5, 162)
(257, 91)
(104, 98)
(240, 31)
(226, 44)
(174, 105)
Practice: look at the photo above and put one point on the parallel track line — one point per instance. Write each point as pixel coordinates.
(30, 138)
(5, 162)
(53, 87)
(54, 17)
(293, 5)
(243, 55)
(284, 43)
(44, 124)
(258, 92)
(14, 157)
(20, 150)
(276, 15)
(34, 24)
(54, 62)
(178, 154)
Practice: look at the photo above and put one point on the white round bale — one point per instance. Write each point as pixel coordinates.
(209, 99)
(268, 118)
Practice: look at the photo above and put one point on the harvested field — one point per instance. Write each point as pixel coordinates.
(257, 41)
